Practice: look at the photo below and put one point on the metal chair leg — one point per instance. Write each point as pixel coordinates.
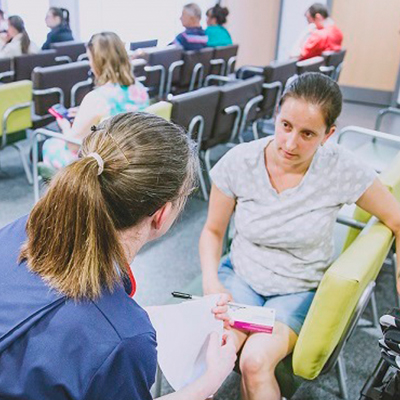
(374, 310)
(203, 186)
(255, 130)
(394, 270)
(24, 162)
(342, 377)
(207, 161)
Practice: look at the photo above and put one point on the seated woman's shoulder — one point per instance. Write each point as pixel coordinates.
(248, 150)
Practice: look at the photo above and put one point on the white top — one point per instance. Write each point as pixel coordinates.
(13, 49)
(283, 243)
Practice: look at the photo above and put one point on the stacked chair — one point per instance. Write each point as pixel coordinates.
(70, 51)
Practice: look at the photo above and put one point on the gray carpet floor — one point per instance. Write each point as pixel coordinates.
(173, 261)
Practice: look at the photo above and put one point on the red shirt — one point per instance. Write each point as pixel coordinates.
(327, 38)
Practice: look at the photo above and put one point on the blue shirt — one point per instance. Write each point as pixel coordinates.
(60, 33)
(54, 348)
(192, 39)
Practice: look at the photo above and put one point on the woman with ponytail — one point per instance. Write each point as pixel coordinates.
(17, 40)
(217, 34)
(57, 19)
(68, 326)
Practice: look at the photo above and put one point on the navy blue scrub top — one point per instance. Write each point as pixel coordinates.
(54, 348)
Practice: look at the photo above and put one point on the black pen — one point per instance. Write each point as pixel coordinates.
(187, 296)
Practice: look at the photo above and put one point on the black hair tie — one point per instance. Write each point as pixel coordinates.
(93, 128)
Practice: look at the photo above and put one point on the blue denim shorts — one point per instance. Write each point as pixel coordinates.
(291, 309)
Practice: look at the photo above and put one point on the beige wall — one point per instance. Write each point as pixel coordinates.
(253, 24)
(372, 39)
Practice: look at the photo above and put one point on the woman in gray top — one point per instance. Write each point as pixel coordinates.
(286, 192)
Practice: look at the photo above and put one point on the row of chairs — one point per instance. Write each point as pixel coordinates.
(171, 70)
(330, 63)
(21, 67)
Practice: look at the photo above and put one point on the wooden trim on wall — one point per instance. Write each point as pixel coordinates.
(253, 25)
(372, 39)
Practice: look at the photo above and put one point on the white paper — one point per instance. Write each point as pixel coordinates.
(182, 336)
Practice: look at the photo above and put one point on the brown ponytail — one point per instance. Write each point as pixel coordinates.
(73, 231)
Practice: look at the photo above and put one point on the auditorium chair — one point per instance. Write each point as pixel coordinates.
(69, 51)
(310, 65)
(223, 60)
(143, 44)
(276, 75)
(159, 62)
(15, 117)
(6, 70)
(66, 84)
(193, 69)
(335, 59)
(25, 64)
(195, 111)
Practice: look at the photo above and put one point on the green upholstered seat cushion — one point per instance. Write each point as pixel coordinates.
(12, 94)
(336, 299)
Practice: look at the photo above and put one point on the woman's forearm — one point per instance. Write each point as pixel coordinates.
(210, 253)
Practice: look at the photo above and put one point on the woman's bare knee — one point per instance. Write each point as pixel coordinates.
(262, 352)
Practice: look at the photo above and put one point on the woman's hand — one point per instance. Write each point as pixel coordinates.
(221, 359)
(220, 311)
(215, 287)
(64, 125)
(72, 112)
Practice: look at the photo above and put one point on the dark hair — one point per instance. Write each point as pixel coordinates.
(63, 13)
(16, 22)
(73, 231)
(318, 89)
(219, 13)
(1, 13)
(318, 8)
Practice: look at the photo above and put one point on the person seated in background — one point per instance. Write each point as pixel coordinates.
(285, 191)
(117, 91)
(194, 36)
(57, 19)
(217, 34)
(3, 22)
(327, 36)
(16, 42)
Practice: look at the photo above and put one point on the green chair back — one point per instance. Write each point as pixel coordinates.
(12, 94)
